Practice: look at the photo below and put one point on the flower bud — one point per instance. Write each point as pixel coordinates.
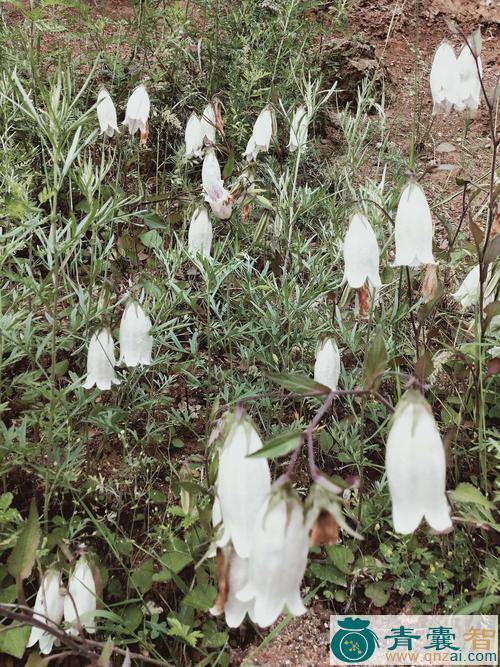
(277, 560)
(327, 364)
(49, 605)
(101, 361)
(298, 130)
(106, 113)
(137, 112)
(416, 467)
(200, 233)
(413, 229)
(361, 253)
(193, 137)
(80, 602)
(444, 79)
(261, 134)
(136, 343)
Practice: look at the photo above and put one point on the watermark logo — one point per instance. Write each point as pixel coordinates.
(414, 640)
(354, 642)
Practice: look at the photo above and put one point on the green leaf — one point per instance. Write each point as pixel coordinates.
(282, 444)
(201, 597)
(375, 360)
(379, 592)
(341, 557)
(468, 493)
(151, 239)
(261, 226)
(329, 573)
(229, 166)
(13, 641)
(299, 384)
(132, 617)
(22, 558)
(142, 577)
(481, 605)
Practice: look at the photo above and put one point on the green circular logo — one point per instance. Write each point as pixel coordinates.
(354, 642)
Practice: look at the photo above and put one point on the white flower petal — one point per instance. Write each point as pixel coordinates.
(49, 605)
(208, 128)
(416, 467)
(137, 112)
(444, 79)
(200, 233)
(361, 253)
(106, 113)
(298, 129)
(101, 361)
(82, 595)
(136, 343)
(193, 137)
(261, 134)
(327, 364)
(242, 483)
(413, 228)
(469, 83)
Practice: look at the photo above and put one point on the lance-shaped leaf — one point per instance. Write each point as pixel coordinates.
(299, 384)
(282, 444)
(22, 558)
(375, 361)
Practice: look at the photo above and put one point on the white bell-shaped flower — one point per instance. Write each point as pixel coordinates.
(80, 603)
(469, 290)
(101, 361)
(49, 605)
(200, 233)
(470, 84)
(261, 135)
(208, 124)
(361, 253)
(242, 483)
(193, 137)
(413, 228)
(136, 343)
(327, 364)
(106, 113)
(416, 467)
(235, 578)
(216, 195)
(298, 129)
(277, 561)
(444, 79)
(137, 112)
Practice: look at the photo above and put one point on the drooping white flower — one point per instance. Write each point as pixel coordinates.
(136, 343)
(298, 129)
(242, 483)
(277, 561)
(413, 229)
(361, 253)
(213, 187)
(49, 605)
(469, 290)
(470, 85)
(193, 137)
(101, 361)
(80, 602)
(327, 364)
(200, 233)
(137, 112)
(416, 467)
(444, 79)
(208, 126)
(106, 113)
(261, 134)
